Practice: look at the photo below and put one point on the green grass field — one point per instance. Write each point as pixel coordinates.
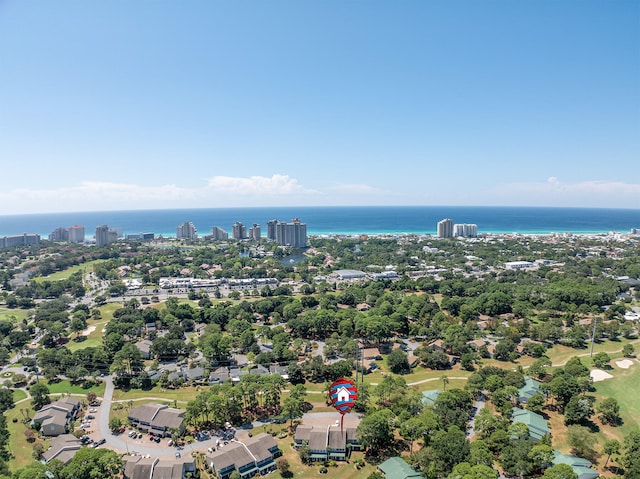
(64, 387)
(64, 274)
(14, 315)
(18, 395)
(20, 448)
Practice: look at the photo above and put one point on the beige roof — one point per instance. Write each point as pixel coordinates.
(232, 454)
(318, 440)
(62, 448)
(259, 446)
(337, 438)
(138, 467)
(158, 415)
(303, 432)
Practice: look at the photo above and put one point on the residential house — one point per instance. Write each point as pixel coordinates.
(157, 419)
(397, 468)
(371, 353)
(139, 467)
(537, 425)
(531, 387)
(280, 370)
(219, 376)
(62, 448)
(580, 466)
(331, 442)
(255, 456)
(259, 369)
(54, 418)
(144, 347)
(193, 375)
(429, 397)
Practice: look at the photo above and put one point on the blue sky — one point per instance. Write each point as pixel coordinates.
(109, 105)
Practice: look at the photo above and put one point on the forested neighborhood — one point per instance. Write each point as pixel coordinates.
(466, 365)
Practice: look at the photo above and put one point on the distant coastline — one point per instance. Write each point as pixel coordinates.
(339, 220)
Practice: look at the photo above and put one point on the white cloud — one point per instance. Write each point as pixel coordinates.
(103, 196)
(554, 192)
(257, 185)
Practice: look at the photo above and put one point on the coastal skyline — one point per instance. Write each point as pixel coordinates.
(152, 105)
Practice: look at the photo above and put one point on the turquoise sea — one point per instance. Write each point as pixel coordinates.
(339, 220)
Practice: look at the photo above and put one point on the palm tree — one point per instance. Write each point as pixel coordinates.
(445, 381)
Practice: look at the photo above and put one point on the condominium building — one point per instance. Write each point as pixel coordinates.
(254, 232)
(19, 240)
(465, 230)
(218, 233)
(76, 234)
(238, 231)
(293, 233)
(445, 228)
(59, 235)
(105, 235)
(187, 231)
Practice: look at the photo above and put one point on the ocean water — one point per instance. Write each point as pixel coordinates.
(338, 220)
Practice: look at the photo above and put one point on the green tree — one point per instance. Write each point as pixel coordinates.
(581, 441)
(91, 463)
(536, 402)
(611, 447)
(560, 471)
(39, 395)
(631, 458)
(601, 360)
(628, 350)
(115, 423)
(398, 362)
(578, 410)
(375, 431)
(609, 411)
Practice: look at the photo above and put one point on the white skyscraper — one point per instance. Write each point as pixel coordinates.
(445, 228)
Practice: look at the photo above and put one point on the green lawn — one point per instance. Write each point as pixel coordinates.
(182, 395)
(18, 395)
(64, 274)
(64, 387)
(18, 444)
(94, 339)
(14, 315)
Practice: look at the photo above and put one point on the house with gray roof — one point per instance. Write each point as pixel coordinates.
(219, 376)
(139, 467)
(327, 442)
(144, 347)
(62, 448)
(254, 456)
(54, 418)
(157, 419)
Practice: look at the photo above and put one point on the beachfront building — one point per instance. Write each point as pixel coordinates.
(76, 234)
(465, 230)
(105, 235)
(292, 234)
(187, 231)
(238, 231)
(445, 228)
(19, 240)
(59, 235)
(219, 234)
(254, 232)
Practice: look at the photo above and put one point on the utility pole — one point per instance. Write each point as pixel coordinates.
(593, 336)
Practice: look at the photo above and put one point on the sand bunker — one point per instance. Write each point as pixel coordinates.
(625, 363)
(599, 375)
(88, 331)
